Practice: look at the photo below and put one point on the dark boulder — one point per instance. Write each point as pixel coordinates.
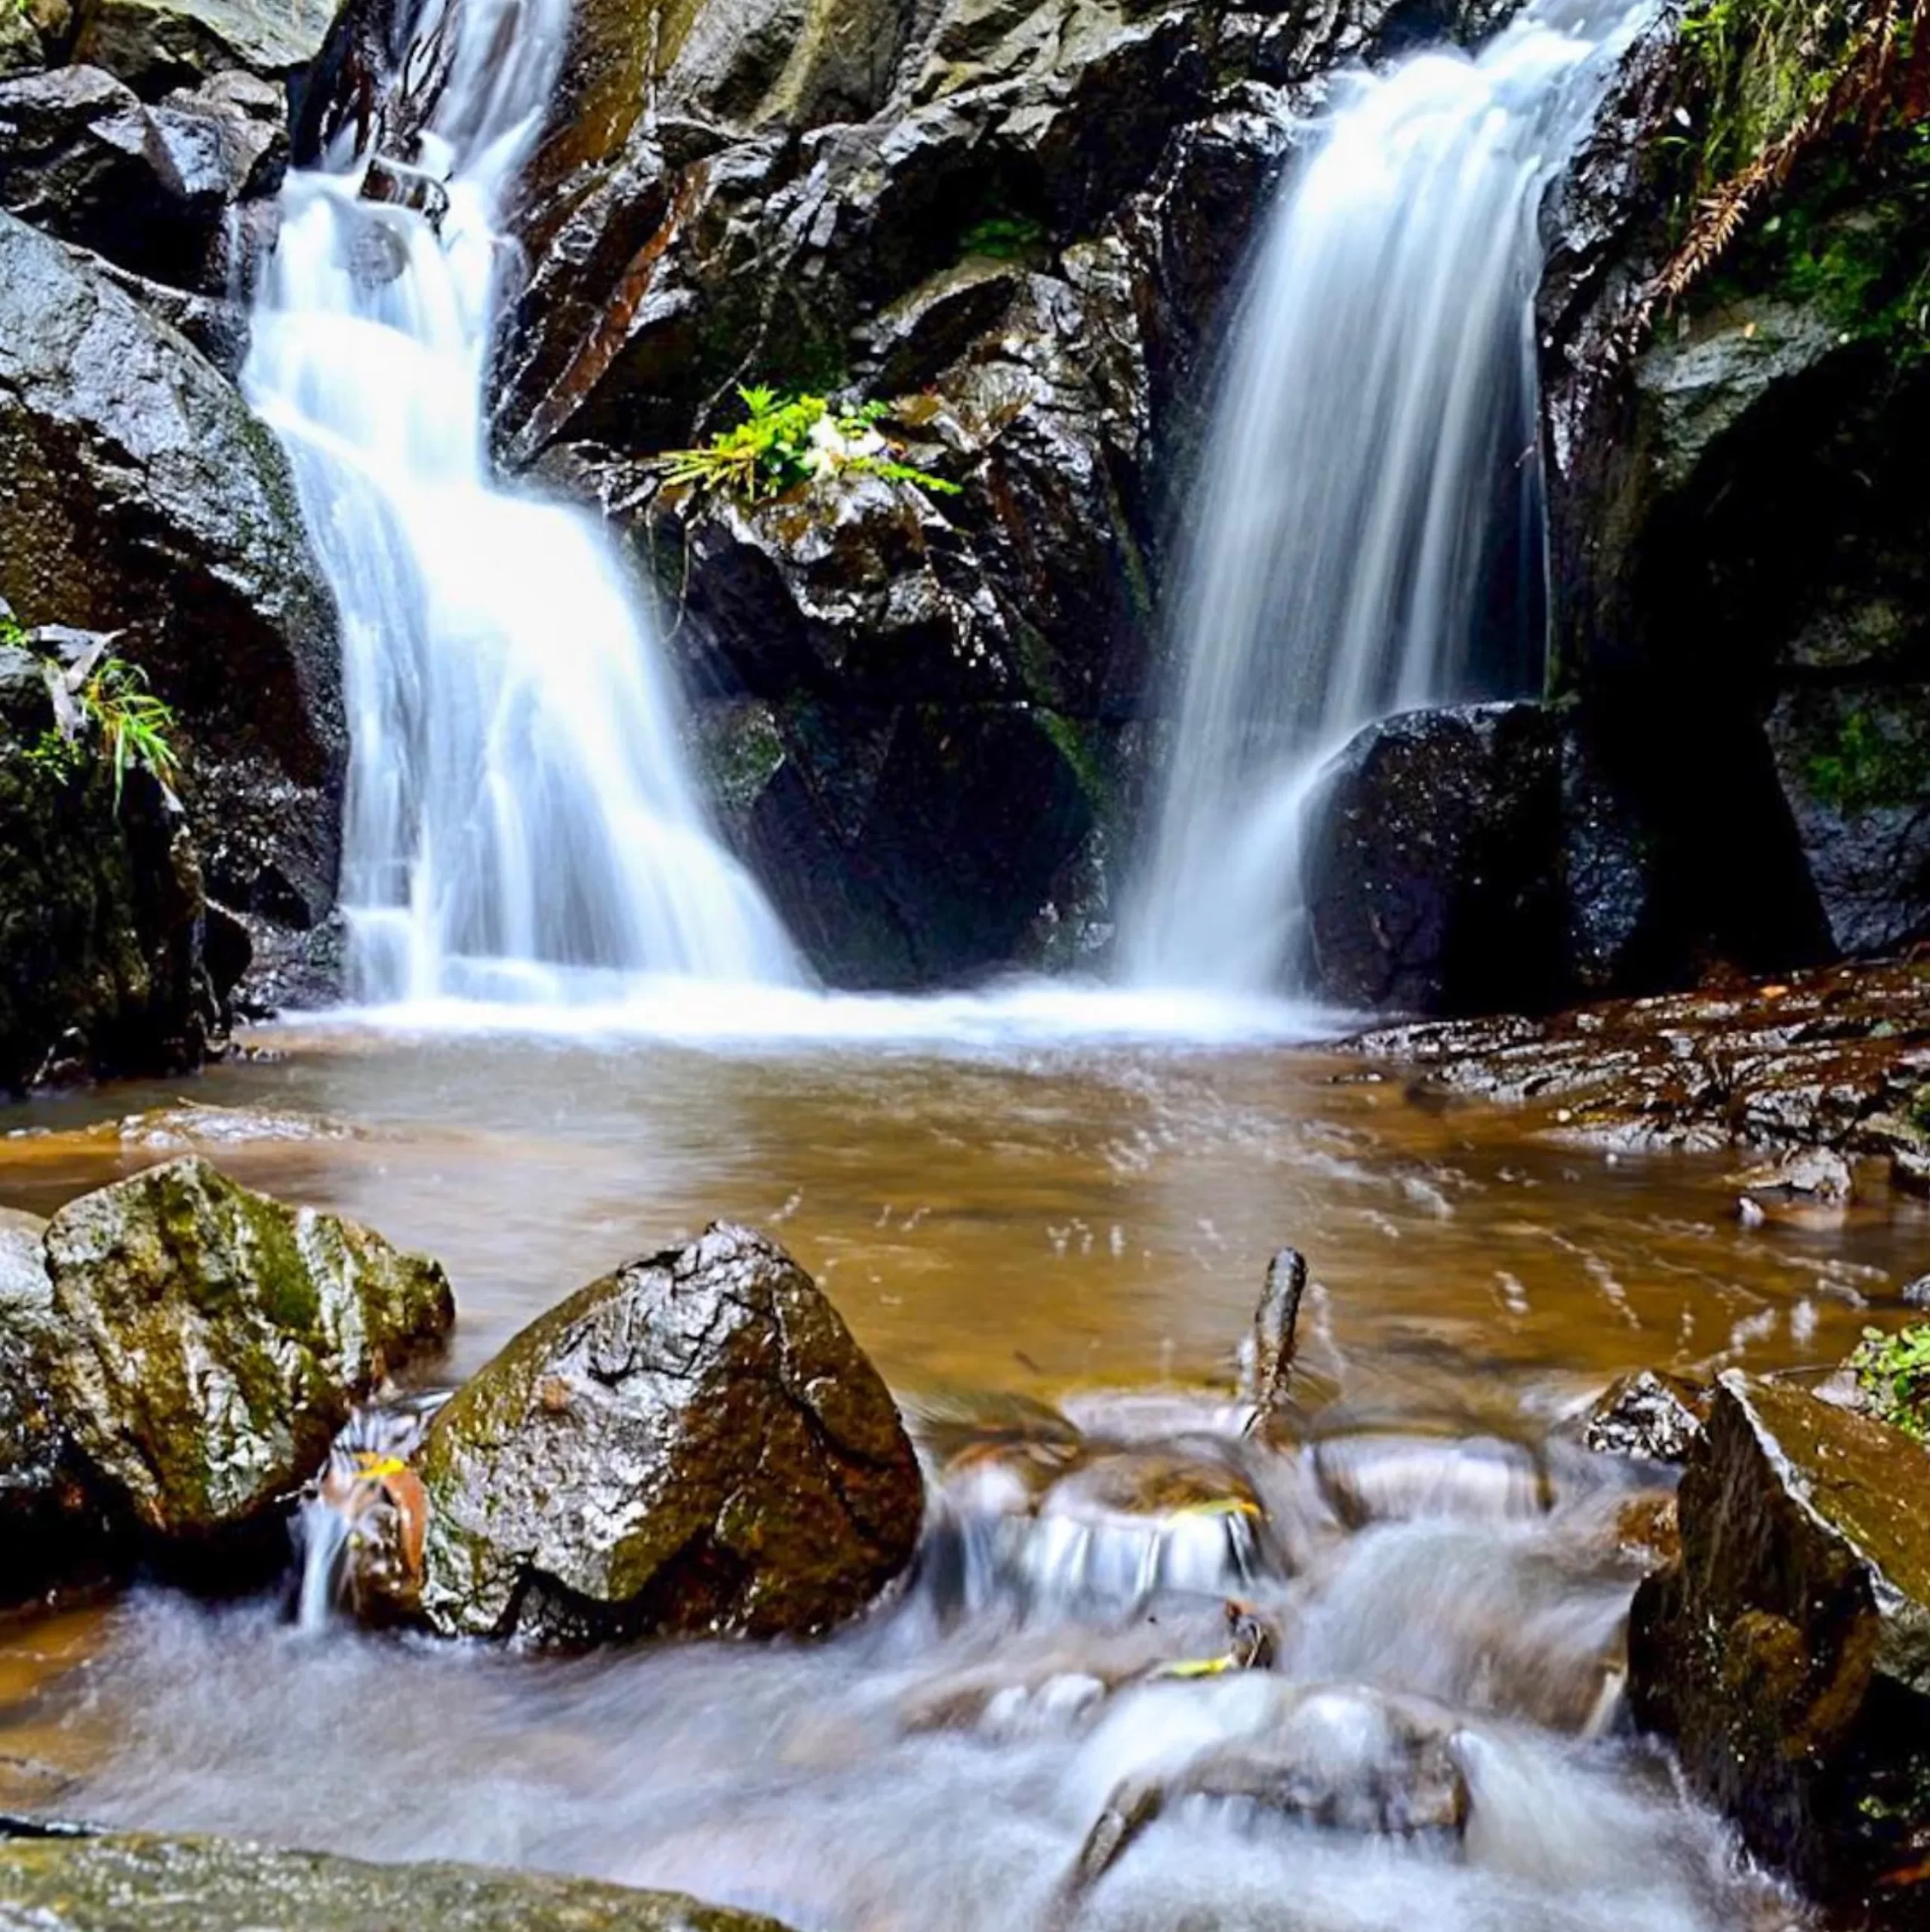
(92, 1882)
(211, 1341)
(694, 1443)
(142, 497)
(1787, 1654)
(102, 965)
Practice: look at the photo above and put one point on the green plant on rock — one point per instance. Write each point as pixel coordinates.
(101, 707)
(1003, 237)
(1778, 80)
(788, 441)
(1893, 1372)
(1867, 767)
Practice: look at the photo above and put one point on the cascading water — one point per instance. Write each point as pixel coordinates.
(520, 808)
(1369, 524)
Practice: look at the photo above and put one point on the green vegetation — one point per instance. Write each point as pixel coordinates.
(786, 442)
(101, 705)
(1893, 1371)
(1778, 85)
(1004, 237)
(1868, 768)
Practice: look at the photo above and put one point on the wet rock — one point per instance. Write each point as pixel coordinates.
(51, 1528)
(693, 1443)
(1266, 1378)
(1433, 864)
(138, 495)
(213, 1340)
(155, 44)
(96, 1884)
(102, 968)
(1812, 1175)
(153, 189)
(1345, 1757)
(1650, 1414)
(1832, 1060)
(1786, 1654)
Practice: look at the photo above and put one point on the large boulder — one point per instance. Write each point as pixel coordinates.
(212, 1340)
(1472, 859)
(141, 497)
(1787, 1652)
(102, 961)
(694, 1443)
(104, 1883)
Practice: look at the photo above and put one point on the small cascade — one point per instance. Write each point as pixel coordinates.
(358, 1527)
(1368, 533)
(521, 823)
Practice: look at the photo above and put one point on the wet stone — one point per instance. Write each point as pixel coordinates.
(1787, 1654)
(212, 1340)
(693, 1443)
(1650, 1414)
(204, 1885)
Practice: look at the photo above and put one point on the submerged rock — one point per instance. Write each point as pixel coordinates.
(102, 1883)
(693, 1443)
(211, 1341)
(1787, 1654)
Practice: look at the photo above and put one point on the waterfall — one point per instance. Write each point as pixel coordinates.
(520, 811)
(1367, 532)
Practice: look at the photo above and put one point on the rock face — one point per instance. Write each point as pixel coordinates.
(194, 1884)
(212, 1340)
(1739, 523)
(1788, 1652)
(142, 497)
(101, 964)
(693, 1443)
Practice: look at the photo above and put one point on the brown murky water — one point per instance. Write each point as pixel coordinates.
(1085, 1225)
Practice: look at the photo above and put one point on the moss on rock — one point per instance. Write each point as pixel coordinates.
(109, 1882)
(213, 1339)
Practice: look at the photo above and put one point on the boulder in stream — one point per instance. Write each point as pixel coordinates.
(693, 1443)
(91, 1883)
(211, 1341)
(1787, 1654)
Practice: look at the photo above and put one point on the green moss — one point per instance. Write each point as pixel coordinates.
(1003, 237)
(1081, 745)
(1869, 768)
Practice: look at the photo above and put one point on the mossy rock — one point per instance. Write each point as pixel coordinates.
(1787, 1652)
(213, 1340)
(693, 1443)
(110, 1882)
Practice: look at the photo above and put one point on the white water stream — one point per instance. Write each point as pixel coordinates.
(521, 822)
(1371, 468)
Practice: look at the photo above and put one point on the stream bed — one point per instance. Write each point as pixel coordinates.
(1052, 1249)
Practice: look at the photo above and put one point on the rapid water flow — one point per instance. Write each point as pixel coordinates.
(1368, 533)
(520, 806)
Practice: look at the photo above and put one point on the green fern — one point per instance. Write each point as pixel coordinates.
(786, 441)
